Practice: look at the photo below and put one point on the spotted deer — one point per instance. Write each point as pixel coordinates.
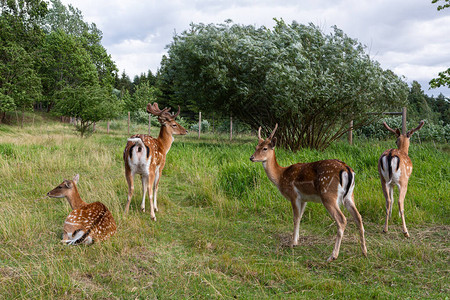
(395, 168)
(330, 182)
(87, 223)
(146, 156)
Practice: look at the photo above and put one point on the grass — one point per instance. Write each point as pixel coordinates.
(222, 229)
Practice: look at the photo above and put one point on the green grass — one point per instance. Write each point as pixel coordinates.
(222, 229)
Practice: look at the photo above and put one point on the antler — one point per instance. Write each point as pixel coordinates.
(270, 136)
(178, 112)
(390, 129)
(273, 132)
(154, 109)
(421, 123)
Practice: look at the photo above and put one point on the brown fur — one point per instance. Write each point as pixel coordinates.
(93, 222)
(156, 157)
(321, 181)
(404, 166)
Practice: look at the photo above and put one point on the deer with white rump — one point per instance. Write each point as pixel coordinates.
(146, 156)
(395, 168)
(87, 223)
(330, 182)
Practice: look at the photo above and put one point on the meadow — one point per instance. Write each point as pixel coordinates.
(222, 229)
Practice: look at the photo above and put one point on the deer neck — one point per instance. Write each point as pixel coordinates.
(75, 200)
(404, 147)
(166, 138)
(273, 170)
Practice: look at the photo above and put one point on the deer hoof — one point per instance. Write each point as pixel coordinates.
(156, 209)
(143, 209)
(406, 234)
(331, 258)
(153, 218)
(385, 230)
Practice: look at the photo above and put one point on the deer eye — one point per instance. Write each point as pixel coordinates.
(59, 187)
(174, 125)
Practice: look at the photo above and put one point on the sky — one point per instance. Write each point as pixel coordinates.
(409, 37)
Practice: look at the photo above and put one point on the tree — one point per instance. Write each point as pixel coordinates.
(443, 78)
(20, 85)
(446, 4)
(311, 83)
(65, 63)
(418, 105)
(70, 20)
(20, 36)
(137, 103)
(88, 103)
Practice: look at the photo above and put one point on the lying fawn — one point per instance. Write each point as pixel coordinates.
(330, 182)
(87, 223)
(395, 167)
(146, 156)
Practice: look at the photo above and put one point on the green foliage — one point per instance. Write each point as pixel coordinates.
(20, 85)
(442, 80)
(88, 103)
(430, 132)
(446, 4)
(70, 20)
(143, 95)
(310, 83)
(205, 126)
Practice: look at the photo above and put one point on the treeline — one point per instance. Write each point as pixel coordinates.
(309, 82)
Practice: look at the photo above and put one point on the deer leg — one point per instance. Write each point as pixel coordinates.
(350, 206)
(401, 207)
(155, 188)
(130, 182)
(144, 179)
(387, 190)
(333, 208)
(298, 208)
(151, 182)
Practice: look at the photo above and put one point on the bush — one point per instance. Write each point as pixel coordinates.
(205, 126)
(429, 132)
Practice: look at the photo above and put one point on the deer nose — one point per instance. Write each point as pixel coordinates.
(252, 158)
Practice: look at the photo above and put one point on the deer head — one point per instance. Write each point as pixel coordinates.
(403, 139)
(64, 189)
(165, 118)
(265, 148)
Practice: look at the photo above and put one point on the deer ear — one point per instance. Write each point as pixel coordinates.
(76, 178)
(273, 142)
(68, 184)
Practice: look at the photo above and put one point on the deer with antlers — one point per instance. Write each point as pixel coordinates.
(395, 168)
(87, 223)
(330, 182)
(146, 156)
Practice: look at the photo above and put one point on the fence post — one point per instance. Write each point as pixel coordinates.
(231, 127)
(149, 123)
(404, 120)
(350, 133)
(128, 123)
(199, 123)
(107, 126)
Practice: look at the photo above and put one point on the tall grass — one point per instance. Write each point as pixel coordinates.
(222, 227)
